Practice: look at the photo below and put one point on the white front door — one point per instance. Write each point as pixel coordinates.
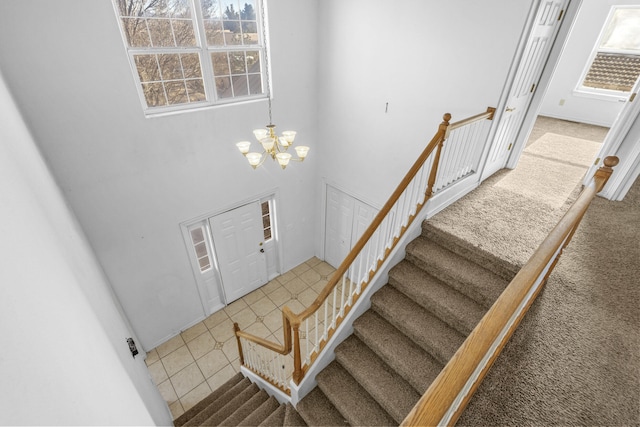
(238, 241)
(531, 64)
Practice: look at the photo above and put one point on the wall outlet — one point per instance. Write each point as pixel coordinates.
(562, 102)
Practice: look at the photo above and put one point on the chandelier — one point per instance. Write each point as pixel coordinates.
(273, 146)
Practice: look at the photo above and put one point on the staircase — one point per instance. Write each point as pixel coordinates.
(433, 300)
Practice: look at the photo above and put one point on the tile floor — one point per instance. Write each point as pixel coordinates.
(197, 361)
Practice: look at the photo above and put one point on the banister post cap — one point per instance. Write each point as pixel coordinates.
(446, 117)
(611, 161)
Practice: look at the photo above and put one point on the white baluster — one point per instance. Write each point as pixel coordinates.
(333, 310)
(306, 326)
(344, 287)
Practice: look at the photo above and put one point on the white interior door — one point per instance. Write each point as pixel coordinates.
(338, 226)
(238, 241)
(535, 54)
(346, 219)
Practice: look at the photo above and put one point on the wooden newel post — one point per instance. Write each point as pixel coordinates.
(603, 173)
(236, 329)
(297, 360)
(442, 131)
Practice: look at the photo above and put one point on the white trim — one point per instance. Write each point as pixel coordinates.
(271, 390)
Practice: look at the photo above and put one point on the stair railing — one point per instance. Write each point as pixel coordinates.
(447, 397)
(309, 331)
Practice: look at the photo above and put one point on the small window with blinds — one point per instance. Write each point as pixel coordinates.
(200, 248)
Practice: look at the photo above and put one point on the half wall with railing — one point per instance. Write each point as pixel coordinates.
(452, 154)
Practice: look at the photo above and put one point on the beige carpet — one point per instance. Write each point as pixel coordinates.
(550, 168)
(575, 359)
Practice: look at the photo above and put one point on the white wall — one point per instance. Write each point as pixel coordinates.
(423, 58)
(131, 180)
(583, 37)
(64, 358)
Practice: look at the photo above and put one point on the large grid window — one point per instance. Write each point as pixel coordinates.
(189, 54)
(614, 65)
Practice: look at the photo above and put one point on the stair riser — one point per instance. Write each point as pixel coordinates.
(498, 266)
(433, 306)
(465, 288)
(436, 352)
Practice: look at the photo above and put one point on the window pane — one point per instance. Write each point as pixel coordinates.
(136, 32)
(255, 84)
(176, 92)
(623, 30)
(211, 9)
(170, 66)
(154, 94)
(267, 233)
(195, 90)
(265, 208)
(220, 63)
(253, 61)
(161, 33)
(201, 249)
(266, 221)
(191, 65)
(240, 85)
(204, 264)
(223, 87)
(197, 235)
(213, 31)
(147, 67)
(183, 30)
(250, 32)
(237, 62)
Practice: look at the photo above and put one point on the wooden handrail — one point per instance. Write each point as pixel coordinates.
(459, 379)
(291, 321)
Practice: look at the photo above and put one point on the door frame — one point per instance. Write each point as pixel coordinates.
(184, 228)
(553, 58)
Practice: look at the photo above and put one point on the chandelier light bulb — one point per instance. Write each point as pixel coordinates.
(254, 159)
(283, 159)
(243, 146)
(302, 151)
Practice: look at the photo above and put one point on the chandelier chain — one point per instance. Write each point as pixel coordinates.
(266, 58)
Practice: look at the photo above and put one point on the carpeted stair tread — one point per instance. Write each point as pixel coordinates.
(456, 309)
(467, 277)
(416, 366)
(350, 398)
(455, 244)
(200, 417)
(246, 409)
(276, 419)
(233, 405)
(317, 410)
(292, 418)
(217, 393)
(261, 413)
(396, 396)
(432, 334)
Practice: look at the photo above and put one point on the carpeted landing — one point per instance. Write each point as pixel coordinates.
(433, 299)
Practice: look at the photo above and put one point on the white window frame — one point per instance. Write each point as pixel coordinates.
(204, 52)
(598, 93)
